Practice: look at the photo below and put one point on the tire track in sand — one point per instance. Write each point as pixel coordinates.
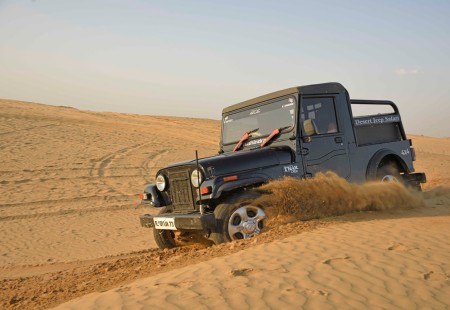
(102, 166)
(151, 164)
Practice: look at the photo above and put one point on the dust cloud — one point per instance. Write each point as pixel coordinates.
(327, 194)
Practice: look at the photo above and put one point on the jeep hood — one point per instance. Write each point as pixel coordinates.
(245, 160)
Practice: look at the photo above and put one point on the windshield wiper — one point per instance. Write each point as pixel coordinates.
(274, 133)
(244, 138)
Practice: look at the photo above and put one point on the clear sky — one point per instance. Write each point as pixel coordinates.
(192, 58)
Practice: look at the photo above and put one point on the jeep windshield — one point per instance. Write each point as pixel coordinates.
(265, 118)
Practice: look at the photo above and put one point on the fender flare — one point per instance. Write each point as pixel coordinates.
(156, 200)
(378, 157)
(229, 186)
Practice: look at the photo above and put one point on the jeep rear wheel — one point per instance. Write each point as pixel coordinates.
(236, 222)
(389, 173)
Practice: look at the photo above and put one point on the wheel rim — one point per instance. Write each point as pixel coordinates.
(388, 178)
(246, 222)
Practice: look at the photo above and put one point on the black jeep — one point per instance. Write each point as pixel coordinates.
(295, 132)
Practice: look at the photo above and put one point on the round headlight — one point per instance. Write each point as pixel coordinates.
(160, 182)
(196, 178)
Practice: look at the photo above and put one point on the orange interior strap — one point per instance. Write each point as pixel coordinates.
(238, 145)
(275, 132)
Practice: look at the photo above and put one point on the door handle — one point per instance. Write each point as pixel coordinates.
(338, 140)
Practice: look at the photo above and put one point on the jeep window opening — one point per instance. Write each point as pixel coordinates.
(322, 112)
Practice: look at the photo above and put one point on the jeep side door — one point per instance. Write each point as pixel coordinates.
(322, 142)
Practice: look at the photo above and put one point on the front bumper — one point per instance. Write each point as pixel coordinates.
(194, 221)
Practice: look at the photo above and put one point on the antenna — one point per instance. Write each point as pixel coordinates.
(198, 179)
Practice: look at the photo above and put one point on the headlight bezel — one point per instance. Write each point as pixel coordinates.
(161, 182)
(197, 178)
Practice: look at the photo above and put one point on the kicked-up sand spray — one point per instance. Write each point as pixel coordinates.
(327, 194)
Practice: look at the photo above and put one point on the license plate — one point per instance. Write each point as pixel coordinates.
(167, 223)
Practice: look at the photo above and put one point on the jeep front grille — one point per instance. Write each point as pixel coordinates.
(180, 189)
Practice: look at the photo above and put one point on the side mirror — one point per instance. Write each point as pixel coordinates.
(309, 127)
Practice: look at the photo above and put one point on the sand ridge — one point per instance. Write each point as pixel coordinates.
(69, 207)
(341, 266)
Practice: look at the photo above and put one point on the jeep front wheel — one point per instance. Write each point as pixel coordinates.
(165, 239)
(236, 222)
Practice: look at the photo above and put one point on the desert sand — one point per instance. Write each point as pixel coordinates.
(382, 264)
(69, 207)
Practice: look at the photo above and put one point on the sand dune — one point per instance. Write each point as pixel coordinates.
(382, 264)
(70, 179)
(69, 184)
